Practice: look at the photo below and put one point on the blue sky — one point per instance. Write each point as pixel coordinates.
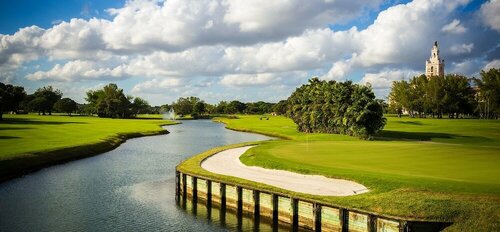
(245, 50)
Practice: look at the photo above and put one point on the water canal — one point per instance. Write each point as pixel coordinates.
(131, 188)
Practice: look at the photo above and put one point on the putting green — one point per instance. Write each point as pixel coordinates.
(440, 169)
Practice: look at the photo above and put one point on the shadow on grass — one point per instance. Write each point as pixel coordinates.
(415, 123)
(14, 128)
(388, 135)
(8, 137)
(25, 121)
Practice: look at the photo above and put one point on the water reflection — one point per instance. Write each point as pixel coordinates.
(229, 218)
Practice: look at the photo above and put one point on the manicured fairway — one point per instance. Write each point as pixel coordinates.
(24, 134)
(441, 169)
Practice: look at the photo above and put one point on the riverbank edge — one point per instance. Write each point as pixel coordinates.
(35, 161)
(192, 166)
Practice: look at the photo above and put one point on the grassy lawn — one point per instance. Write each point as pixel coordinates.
(31, 140)
(435, 169)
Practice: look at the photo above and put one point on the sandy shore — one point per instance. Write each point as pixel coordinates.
(228, 163)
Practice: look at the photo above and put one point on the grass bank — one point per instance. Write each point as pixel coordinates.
(429, 169)
(30, 142)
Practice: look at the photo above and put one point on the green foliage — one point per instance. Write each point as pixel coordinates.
(140, 106)
(235, 107)
(488, 95)
(110, 102)
(185, 105)
(336, 107)
(44, 99)
(435, 96)
(66, 105)
(10, 97)
(281, 107)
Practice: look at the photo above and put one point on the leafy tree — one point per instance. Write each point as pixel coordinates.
(488, 93)
(184, 105)
(51, 96)
(66, 105)
(199, 108)
(109, 102)
(281, 107)
(399, 97)
(140, 106)
(235, 107)
(10, 98)
(221, 107)
(39, 104)
(336, 107)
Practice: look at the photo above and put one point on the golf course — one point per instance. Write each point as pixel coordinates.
(33, 141)
(429, 169)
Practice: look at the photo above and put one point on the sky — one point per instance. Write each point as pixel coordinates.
(243, 50)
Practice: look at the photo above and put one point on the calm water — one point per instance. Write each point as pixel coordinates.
(131, 188)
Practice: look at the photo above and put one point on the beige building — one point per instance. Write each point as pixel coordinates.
(434, 66)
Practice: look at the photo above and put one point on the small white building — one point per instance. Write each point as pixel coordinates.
(434, 66)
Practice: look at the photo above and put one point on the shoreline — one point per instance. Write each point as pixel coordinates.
(301, 183)
(35, 161)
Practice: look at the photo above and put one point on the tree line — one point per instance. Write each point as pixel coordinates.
(453, 95)
(111, 102)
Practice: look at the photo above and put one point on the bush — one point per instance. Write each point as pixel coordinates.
(336, 107)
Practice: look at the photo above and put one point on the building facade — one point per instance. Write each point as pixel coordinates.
(434, 66)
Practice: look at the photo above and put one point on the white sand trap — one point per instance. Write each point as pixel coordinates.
(228, 163)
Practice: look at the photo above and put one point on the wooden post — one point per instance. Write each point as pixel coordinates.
(344, 220)
(177, 186)
(256, 208)
(209, 194)
(223, 196)
(317, 216)
(274, 199)
(403, 226)
(184, 187)
(372, 223)
(195, 189)
(295, 213)
(239, 200)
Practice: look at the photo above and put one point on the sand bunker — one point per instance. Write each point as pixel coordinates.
(228, 163)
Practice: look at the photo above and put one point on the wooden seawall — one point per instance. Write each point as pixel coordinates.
(282, 209)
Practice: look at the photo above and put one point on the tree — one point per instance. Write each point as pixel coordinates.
(109, 102)
(39, 104)
(66, 105)
(399, 97)
(488, 93)
(184, 105)
(140, 106)
(10, 98)
(199, 108)
(235, 107)
(51, 96)
(336, 107)
(281, 107)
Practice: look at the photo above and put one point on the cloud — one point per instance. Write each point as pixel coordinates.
(79, 69)
(492, 64)
(156, 86)
(244, 80)
(489, 14)
(462, 48)
(454, 27)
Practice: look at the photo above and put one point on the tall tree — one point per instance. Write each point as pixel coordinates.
(66, 105)
(489, 93)
(110, 101)
(50, 95)
(10, 98)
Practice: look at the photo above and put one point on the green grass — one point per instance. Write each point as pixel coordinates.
(432, 169)
(33, 141)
